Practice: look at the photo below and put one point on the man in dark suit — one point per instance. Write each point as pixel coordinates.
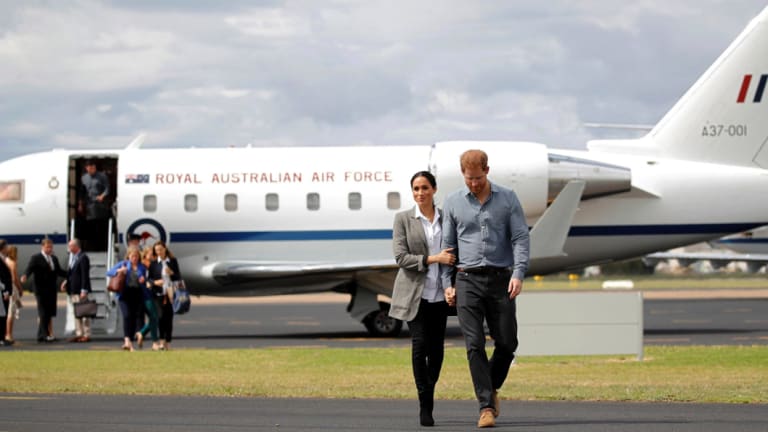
(7, 285)
(78, 286)
(46, 269)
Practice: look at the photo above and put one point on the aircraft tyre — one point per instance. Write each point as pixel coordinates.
(380, 324)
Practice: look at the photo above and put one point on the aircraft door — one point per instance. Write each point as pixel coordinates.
(91, 199)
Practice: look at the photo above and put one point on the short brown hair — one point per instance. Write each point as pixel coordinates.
(474, 159)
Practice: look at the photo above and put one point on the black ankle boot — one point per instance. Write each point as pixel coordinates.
(425, 418)
(426, 403)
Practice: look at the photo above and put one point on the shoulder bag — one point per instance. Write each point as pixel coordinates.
(181, 300)
(116, 283)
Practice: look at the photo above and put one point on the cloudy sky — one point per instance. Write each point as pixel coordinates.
(208, 73)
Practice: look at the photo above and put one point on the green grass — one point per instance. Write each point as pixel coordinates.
(684, 374)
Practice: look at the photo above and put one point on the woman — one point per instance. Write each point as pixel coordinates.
(132, 298)
(16, 293)
(163, 274)
(418, 296)
(150, 306)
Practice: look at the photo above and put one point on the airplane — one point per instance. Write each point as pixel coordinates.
(749, 247)
(287, 220)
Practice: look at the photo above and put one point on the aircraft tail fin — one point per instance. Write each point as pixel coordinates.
(723, 117)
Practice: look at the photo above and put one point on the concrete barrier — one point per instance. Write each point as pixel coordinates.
(581, 323)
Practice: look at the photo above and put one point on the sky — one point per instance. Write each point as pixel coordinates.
(207, 73)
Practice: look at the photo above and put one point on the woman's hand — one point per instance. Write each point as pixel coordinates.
(444, 257)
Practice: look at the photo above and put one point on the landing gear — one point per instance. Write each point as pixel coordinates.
(380, 324)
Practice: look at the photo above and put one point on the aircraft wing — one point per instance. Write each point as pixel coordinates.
(239, 271)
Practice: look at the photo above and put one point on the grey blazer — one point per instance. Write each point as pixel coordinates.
(410, 247)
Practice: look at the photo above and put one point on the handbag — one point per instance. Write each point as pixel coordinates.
(181, 300)
(116, 283)
(85, 309)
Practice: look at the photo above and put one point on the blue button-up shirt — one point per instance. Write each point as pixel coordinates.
(494, 233)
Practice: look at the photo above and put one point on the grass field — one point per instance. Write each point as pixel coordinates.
(682, 374)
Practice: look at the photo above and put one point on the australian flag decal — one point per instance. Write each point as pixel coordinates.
(136, 178)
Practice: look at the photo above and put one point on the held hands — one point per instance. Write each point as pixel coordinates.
(515, 287)
(450, 296)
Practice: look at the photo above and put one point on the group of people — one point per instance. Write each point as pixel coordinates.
(150, 282)
(46, 271)
(151, 277)
(472, 254)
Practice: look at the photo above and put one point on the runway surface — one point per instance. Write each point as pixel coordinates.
(76, 413)
(321, 320)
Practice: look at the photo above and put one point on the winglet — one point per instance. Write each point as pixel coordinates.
(137, 142)
(551, 230)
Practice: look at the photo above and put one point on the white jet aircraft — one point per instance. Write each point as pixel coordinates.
(265, 221)
(749, 247)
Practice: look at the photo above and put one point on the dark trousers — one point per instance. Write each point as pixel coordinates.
(165, 324)
(130, 307)
(4, 319)
(44, 317)
(482, 297)
(427, 347)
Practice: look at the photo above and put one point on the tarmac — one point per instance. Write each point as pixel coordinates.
(76, 413)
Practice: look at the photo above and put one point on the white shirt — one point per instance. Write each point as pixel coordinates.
(166, 277)
(434, 234)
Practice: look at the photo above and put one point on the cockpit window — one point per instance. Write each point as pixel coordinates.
(12, 191)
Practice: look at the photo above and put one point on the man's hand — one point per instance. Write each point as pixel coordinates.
(450, 296)
(515, 287)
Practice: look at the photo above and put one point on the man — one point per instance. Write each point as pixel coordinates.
(94, 204)
(78, 286)
(6, 285)
(485, 224)
(46, 269)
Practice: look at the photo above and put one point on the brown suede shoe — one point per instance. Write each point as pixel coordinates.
(495, 400)
(486, 418)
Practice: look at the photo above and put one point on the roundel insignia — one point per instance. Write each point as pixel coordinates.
(149, 231)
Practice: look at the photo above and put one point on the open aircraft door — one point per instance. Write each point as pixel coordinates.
(98, 239)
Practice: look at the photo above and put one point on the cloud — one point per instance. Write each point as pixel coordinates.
(209, 73)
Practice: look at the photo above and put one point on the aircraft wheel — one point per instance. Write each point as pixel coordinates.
(380, 324)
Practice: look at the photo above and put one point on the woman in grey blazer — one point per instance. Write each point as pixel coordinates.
(418, 296)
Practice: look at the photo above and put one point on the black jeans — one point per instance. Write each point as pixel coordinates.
(165, 323)
(427, 344)
(482, 297)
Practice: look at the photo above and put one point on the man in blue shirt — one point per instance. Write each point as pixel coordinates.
(485, 224)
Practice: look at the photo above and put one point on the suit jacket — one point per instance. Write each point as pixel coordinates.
(45, 281)
(79, 275)
(409, 244)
